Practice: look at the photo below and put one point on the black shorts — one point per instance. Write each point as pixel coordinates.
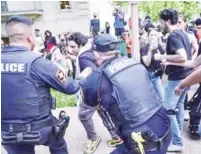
(119, 31)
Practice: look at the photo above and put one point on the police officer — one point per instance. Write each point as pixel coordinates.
(123, 87)
(26, 118)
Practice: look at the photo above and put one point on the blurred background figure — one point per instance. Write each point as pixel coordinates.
(50, 41)
(119, 22)
(95, 25)
(39, 42)
(107, 28)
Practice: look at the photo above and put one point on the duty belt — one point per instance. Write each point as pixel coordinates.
(143, 142)
(33, 126)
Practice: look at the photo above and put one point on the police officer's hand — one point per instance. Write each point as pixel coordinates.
(86, 72)
(179, 89)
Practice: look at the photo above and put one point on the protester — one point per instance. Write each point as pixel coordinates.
(50, 41)
(178, 50)
(107, 28)
(153, 66)
(127, 40)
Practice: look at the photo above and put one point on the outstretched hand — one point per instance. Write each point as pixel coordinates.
(179, 89)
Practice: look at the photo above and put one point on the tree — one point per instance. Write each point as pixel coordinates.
(153, 8)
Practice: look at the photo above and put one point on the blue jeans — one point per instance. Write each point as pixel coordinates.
(55, 147)
(156, 80)
(172, 102)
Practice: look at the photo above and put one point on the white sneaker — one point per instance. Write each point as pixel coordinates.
(175, 148)
(186, 115)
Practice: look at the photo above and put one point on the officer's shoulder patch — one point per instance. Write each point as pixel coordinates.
(62, 77)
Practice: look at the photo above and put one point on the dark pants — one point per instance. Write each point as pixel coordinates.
(85, 116)
(55, 147)
(157, 124)
(119, 31)
(195, 111)
(186, 102)
(94, 33)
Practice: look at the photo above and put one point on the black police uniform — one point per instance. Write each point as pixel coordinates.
(131, 101)
(26, 117)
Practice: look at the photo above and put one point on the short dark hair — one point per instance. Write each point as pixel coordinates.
(19, 19)
(78, 38)
(147, 17)
(198, 21)
(148, 26)
(37, 30)
(169, 14)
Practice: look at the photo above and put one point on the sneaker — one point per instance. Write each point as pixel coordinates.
(92, 145)
(114, 142)
(194, 135)
(186, 115)
(175, 148)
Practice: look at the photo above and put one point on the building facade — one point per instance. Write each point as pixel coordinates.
(56, 16)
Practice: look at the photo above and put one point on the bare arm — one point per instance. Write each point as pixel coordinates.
(195, 49)
(192, 79)
(189, 63)
(147, 59)
(180, 57)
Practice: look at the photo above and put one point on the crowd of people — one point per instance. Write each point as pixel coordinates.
(130, 108)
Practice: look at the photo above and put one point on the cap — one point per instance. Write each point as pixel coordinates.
(105, 43)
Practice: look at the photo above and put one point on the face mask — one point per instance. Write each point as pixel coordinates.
(95, 16)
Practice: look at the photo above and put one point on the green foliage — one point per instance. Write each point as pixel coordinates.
(152, 8)
(64, 100)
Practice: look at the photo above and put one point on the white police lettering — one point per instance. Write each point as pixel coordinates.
(12, 67)
(119, 66)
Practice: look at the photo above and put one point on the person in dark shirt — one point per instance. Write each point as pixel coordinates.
(95, 25)
(178, 50)
(198, 33)
(107, 28)
(153, 66)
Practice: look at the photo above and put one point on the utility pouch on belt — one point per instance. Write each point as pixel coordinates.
(138, 141)
(145, 141)
(26, 137)
(58, 131)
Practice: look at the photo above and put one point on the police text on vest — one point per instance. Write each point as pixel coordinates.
(13, 67)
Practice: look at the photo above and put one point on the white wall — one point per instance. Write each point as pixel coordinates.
(21, 5)
(59, 21)
(54, 19)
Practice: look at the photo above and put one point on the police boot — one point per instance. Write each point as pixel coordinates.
(193, 132)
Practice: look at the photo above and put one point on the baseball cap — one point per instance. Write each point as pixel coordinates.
(105, 43)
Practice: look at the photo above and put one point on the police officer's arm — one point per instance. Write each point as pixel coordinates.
(54, 77)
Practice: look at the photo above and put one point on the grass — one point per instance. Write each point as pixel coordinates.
(64, 100)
